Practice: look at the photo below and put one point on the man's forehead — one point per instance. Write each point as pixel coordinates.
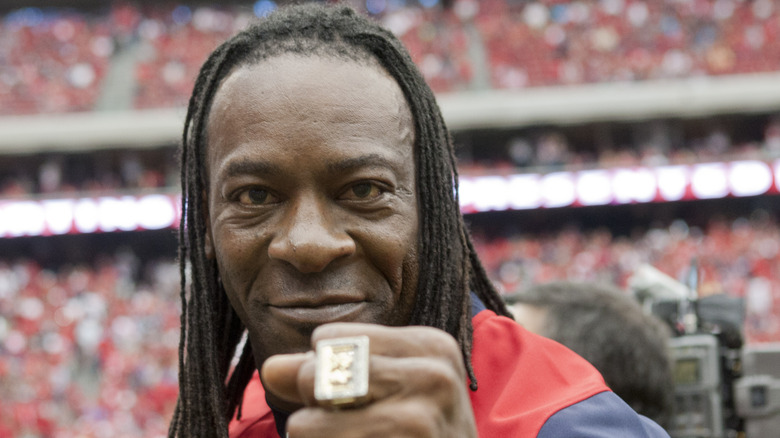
(296, 81)
(291, 92)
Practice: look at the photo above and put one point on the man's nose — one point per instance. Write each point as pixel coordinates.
(310, 238)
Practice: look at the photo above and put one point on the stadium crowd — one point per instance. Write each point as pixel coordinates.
(737, 257)
(655, 143)
(173, 43)
(52, 62)
(87, 350)
(55, 60)
(106, 172)
(553, 43)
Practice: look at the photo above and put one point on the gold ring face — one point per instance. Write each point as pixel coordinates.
(341, 376)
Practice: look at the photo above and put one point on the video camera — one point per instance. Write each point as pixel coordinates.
(723, 389)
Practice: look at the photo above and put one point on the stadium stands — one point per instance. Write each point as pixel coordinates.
(474, 45)
(52, 61)
(87, 351)
(737, 257)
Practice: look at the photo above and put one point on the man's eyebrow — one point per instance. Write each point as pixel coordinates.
(248, 167)
(370, 160)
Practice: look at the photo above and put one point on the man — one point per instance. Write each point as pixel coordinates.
(319, 193)
(608, 328)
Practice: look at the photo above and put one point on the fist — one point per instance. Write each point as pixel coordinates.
(417, 386)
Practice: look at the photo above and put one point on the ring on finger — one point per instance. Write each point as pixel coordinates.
(341, 374)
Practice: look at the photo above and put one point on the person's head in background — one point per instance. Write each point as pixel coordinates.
(609, 329)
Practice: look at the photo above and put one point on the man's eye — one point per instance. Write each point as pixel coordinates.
(255, 196)
(364, 191)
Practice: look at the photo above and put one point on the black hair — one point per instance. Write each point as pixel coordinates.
(449, 268)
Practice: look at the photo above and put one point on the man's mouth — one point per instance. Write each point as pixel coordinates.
(308, 314)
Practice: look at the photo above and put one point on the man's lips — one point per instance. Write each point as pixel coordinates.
(308, 314)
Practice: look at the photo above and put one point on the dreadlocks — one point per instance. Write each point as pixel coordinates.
(449, 267)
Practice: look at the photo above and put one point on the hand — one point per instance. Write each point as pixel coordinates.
(417, 386)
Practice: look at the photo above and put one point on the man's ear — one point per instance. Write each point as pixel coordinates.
(208, 241)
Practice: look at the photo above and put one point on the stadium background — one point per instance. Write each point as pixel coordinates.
(593, 136)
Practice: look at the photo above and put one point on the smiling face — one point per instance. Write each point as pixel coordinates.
(312, 204)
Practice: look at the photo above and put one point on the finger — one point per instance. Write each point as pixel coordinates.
(396, 341)
(413, 419)
(411, 397)
(279, 375)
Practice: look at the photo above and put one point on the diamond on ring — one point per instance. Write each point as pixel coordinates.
(341, 376)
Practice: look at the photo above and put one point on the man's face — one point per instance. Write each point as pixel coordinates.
(312, 204)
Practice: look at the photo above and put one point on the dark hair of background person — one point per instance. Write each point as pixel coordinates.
(609, 329)
(449, 268)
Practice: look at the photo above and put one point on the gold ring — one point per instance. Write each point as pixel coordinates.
(341, 375)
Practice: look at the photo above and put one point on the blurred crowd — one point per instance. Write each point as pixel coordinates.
(108, 172)
(56, 60)
(90, 350)
(173, 43)
(553, 42)
(737, 257)
(52, 62)
(651, 143)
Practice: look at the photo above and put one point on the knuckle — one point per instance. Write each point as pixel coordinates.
(441, 380)
(419, 419)
(303, 420)
(328, 331)
(441, 343)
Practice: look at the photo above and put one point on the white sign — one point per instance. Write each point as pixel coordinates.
(88, 215)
